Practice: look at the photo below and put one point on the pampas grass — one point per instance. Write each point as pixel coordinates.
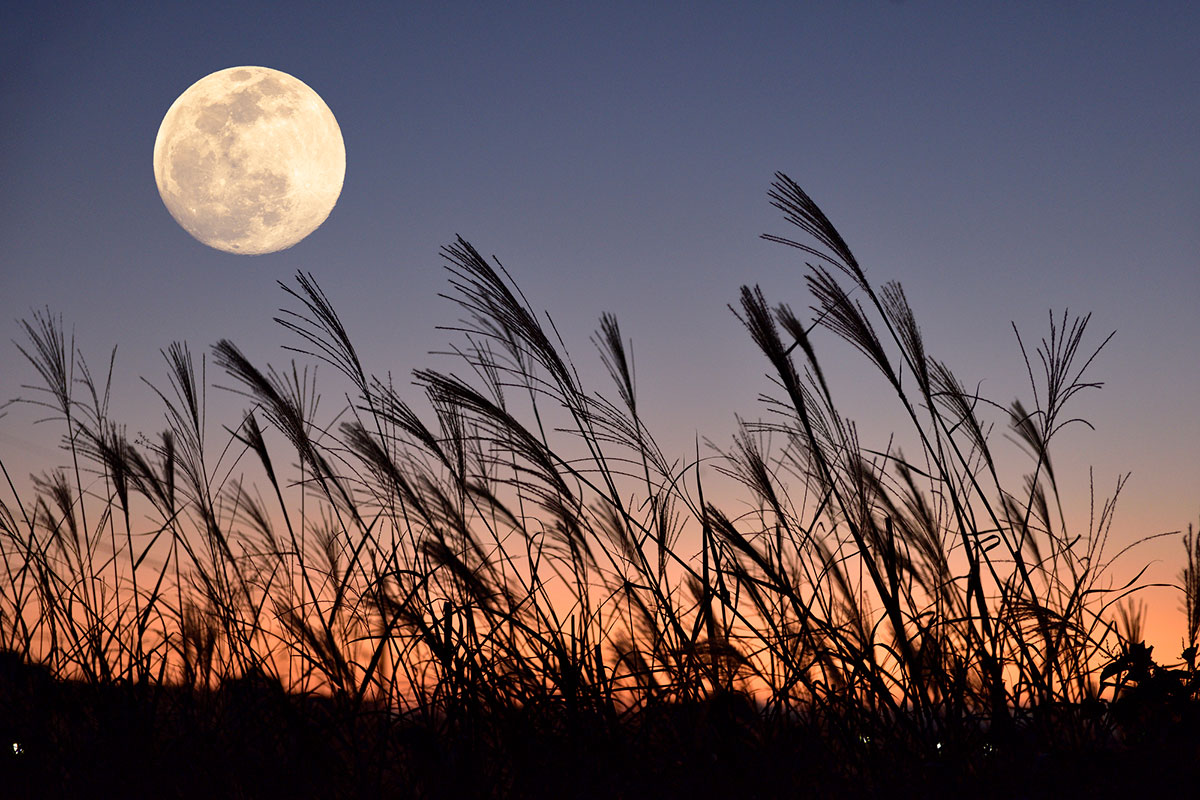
(502, 586)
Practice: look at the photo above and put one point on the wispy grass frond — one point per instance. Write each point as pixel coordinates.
(1191, 588)
(800, 210)
(497, 312)
(961, 405)
(908, 333)
(321, 327)
(618, 363)
(846, 318)
(46, 350)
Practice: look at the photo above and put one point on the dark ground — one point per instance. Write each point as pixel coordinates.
(250, 739)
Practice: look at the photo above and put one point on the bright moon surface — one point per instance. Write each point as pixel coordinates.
(249, 160)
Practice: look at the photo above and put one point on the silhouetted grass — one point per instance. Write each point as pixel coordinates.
(510, 590)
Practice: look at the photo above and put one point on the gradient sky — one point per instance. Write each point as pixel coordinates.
(999, 159)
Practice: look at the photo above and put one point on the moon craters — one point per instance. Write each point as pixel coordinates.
(249, 160)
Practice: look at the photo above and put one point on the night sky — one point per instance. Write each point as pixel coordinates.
(998, 159)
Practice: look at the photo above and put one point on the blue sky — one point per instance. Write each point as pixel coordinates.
(998, 159)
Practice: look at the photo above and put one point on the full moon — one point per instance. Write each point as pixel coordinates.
(249, 160)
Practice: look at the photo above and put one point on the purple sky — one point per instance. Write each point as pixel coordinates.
(997, 159)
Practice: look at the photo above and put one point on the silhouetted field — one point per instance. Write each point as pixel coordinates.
(512, 591)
